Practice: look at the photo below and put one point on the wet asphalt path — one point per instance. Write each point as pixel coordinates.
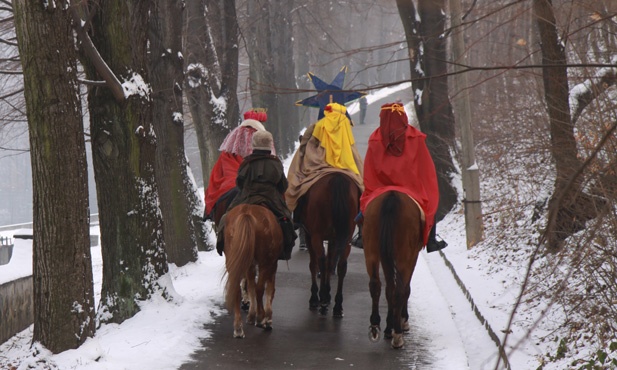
(304, 339)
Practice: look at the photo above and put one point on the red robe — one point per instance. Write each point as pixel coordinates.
(412, 173)
(222, 178)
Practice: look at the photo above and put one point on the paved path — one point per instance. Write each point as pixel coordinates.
(304, 339)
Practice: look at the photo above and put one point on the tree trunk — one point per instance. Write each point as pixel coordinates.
(569, 208)
(272, 69)
(427, 56)
(124, 149)
(62, 265)
(212, 74)
(470, 170)
(178, 202)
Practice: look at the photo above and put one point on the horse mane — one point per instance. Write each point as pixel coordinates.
(238, 256)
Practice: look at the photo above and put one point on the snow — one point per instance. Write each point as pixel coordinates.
(136, 86)
(164, 334)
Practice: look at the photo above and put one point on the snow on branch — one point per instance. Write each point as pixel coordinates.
(97, 61)
(584, 93)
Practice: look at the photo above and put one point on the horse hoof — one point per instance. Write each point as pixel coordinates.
(338, 314)
(374, 333)
(239, 334)
(323, 310)
(266, 326)
(397, 341)
(405, 326)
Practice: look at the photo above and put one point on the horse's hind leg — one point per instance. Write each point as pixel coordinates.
(324, 284)
(238, 331)
(338, 298)
(258, 298)
(375, 289)
(314, 268)
(405, 314)
(397, 335)
(390, 299)
(268, 277)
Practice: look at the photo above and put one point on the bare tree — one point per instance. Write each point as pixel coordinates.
(424, 29)
(62, 266)
(178, 202)
(268, 39)
(211, 57)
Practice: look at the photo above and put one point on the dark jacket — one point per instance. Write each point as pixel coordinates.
(261, 180)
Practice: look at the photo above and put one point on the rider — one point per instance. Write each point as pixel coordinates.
(261, 180)
(236, 146)
(326, 146)
(398, 159)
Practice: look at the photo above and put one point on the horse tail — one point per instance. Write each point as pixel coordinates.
(340, 212)
(239, 257)
(388, 216)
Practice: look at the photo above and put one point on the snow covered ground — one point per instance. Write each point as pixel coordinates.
(146, 340)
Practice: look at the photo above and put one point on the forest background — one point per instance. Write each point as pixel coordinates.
(144, 90)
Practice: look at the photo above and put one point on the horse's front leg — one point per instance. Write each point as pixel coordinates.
(260, 288)
(245, 296)
(249, 281)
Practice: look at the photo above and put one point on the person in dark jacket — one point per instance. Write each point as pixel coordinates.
(261, 180)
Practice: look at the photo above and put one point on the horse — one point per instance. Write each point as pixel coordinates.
(219, 209)
(327, 212)
(392, 234)
(253, 243)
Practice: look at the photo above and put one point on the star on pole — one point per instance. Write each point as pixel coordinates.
(329, 93)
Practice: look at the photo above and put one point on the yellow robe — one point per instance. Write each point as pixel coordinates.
(335, 136)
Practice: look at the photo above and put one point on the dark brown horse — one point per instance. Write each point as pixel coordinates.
(253, 242)
(392, 234)
(327, 211)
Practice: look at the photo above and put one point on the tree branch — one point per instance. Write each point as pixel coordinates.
(584, 93)
(97, 61)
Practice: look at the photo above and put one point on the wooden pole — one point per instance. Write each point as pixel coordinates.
(471, 173)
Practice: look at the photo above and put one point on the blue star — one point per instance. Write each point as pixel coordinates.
(329, 93)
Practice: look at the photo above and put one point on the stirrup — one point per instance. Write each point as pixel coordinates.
(435, 245)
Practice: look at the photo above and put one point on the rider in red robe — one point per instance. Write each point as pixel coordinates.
(235, 147)
(398, 159)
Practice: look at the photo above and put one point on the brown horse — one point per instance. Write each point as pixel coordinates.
(392, 234)
(253, 242)
(219, 209)
(327, 211)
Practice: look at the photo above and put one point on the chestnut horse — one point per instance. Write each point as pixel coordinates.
(253, 243)
(392, 234)
(219, 209)
(327, 212)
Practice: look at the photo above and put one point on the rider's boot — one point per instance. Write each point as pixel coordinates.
(289, 237)
(434, 245)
